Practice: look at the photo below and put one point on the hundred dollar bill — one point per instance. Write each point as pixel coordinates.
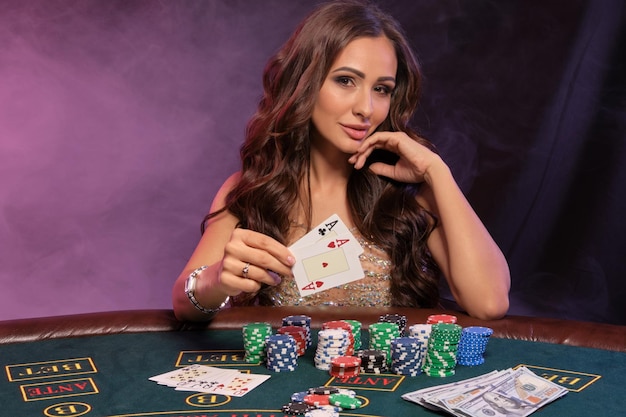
(520, 394)
(451, 399)
(429, 397)
(509, 392)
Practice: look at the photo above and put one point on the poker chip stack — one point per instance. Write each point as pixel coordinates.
(330, 344)
(442, 350)
(356, 332)
(299, 335)
(344, 325)
(281, 353)
(254, 340)
(406, 357)
(345, 366)
(302, 321)
(381, 335)
(372, 361)
(398, 319)
(472, 345)
(421, 332)
(317, 402)
(441, 318)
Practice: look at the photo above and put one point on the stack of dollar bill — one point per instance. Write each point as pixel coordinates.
(517, 392)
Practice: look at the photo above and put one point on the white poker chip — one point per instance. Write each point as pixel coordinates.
(347, 392)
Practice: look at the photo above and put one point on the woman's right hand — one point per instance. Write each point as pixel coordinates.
(251, 259)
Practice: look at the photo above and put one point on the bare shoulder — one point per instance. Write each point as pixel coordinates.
(218, 228)
(227, 186)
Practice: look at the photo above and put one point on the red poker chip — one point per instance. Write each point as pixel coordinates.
(299, 335)
(441, 318)
(344, 372)
(292, 329)
(346, 361)
(337, 324)
(317, 399)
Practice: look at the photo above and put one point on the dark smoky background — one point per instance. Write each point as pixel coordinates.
(119, 120)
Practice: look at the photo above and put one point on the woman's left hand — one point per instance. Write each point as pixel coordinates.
(414, 160)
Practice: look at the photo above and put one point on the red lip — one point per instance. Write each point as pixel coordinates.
(356, 132)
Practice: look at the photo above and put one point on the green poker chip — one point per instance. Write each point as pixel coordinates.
(345, 401)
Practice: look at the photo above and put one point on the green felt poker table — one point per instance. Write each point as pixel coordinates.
(98, 364)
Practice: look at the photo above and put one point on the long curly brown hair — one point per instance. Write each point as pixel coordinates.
(275, 154)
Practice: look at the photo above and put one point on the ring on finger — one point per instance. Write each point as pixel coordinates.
(245, 270)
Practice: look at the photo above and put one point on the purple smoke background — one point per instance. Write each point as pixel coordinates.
(118, 121)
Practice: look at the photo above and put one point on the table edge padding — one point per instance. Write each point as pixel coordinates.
(539, 329)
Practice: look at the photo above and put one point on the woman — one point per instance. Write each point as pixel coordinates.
(330, 136)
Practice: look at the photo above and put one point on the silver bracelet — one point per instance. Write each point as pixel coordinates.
(190, 289)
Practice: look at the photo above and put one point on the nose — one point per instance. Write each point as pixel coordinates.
(363, 104)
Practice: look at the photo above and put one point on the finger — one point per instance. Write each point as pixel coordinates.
(265, 276)
(245, 276)
(241, 249)
(382, 169)
(359, 158)
(235, 284)
(262, 245)
(378, 140)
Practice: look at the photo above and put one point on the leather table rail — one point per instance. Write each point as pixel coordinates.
(575, 333)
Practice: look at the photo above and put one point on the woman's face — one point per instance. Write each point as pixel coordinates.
(356, 95)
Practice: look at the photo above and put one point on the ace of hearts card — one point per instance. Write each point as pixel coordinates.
(326, 257)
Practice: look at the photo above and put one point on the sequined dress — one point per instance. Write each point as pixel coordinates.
(371, 291)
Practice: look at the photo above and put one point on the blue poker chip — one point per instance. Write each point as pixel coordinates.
(281, 351)
(282, 368)
(471, 346)
(280, 338)
(300, 319)
(282, 359)
(405, 341)
(479, 331)
(471, 362)
(406, 363)
(279, 361)
(298, 397)
(470, 352)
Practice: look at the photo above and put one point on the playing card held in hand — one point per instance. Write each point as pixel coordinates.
(326, 257)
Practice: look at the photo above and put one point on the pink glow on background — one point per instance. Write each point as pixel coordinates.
(118, 121)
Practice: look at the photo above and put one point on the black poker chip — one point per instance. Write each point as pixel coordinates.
(398, 319)
(293, 408)
(324, 390)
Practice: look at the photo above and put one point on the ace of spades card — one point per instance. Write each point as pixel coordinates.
(326, 257)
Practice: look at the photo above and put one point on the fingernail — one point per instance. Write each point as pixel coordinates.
(276, 277)
(291, 260)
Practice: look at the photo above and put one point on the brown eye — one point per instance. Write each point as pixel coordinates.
(383, 90)
(344, 81)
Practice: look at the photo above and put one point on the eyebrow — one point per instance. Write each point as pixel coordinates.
(361, 74)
